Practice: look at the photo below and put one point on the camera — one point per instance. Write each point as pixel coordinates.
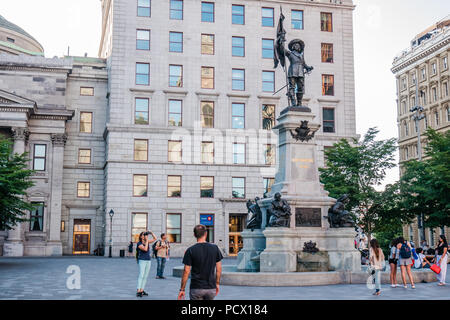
(146, 233)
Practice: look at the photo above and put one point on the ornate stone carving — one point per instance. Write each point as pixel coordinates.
(20, 133)
(303, 133)
(59, 139)
(310, 247)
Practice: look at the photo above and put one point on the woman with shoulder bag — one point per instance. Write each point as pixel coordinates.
(143, 258)
(441, 259)
(405, 261)
(377, 263)
(393, 260)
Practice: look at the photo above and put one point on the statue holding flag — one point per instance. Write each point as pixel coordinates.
(295, 76)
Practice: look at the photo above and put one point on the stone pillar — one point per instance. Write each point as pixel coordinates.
(54, 245)
(279, 255)
(13, 246)
(249, 256)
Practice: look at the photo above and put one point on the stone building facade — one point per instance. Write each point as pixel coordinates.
(425, 62)
(170, 127)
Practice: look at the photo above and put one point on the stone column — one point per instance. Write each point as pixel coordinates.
(13, 246)
(54, 245)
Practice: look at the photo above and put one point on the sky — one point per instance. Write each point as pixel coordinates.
(382, 29)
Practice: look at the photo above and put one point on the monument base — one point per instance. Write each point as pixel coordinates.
(249, 256)
(313, 262)
(13, 249)
(279, 255)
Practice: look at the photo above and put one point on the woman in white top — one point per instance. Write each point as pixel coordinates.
(377, 263)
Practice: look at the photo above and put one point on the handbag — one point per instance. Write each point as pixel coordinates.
(435, 268)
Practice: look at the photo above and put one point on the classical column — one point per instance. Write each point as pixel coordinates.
(13, 246)
(54, 245)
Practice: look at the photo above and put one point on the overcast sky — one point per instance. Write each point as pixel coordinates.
(382, 28)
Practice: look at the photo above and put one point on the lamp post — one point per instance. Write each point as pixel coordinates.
(111, 214)
(418, 115)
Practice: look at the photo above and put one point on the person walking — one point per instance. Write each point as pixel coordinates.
(143, 259)
(162, 252)
(441, 259)
(393, 261)
(377, 263)
(202, 259)
(405, 261)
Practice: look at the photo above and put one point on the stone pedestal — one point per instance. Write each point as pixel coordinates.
(313, 262)
(279, 255)
(249, 256)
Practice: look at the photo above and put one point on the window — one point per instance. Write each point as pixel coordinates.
(238, 187)
(424, 74)
(424, 97)
(207, 187)
(268, 81)
(238, 116)
(268, 183)
(140, 150)
(207, 114)
(269, 154)
(141, 113)
(207, 77)
(63, 226)
(174, 151)
(326, 22)
(297, 19)
(83, 189)
(327, 85)
(406, 128)
(86, 91)
(448, 114)
(143, 74)
(175, 113)
(207, 44)
(237, 14)
(413, 78)
(10, 39)
(176, 41)
(208, 221)
(445, 89)
(267, 17)
(238, 46)
(406, 153)
(403, 107)
(413, 101)
(39, 156)
(433, 68)
(175, 76)
(207, 12)
(436, 118)
(327, 52)
(173, 186)
(434, 92)
(445, 63)
(138, 225)
(173, 227)
(140, 185)
(176, 9)
(37, 217)
(267, 48)
(238, 79)
(239, 153)
(84, 156)
(328, 120)
(207, 152)
(268, 116)
(86, 122)
(404, 83)
(143, 9)
(143, 39)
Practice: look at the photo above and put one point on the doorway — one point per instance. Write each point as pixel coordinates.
(236, 226)
(81, 236)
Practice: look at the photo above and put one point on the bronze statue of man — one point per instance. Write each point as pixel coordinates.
(280, 212)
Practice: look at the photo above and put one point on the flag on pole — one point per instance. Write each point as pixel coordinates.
(278, 54)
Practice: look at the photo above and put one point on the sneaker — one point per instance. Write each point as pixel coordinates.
(405, 286)
(162, 277)
(413, 287)
(139, 294)
(144, 293)
(393, 285)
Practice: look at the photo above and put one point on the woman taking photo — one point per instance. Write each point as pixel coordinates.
(377, 263)
(441, 259)
(405, 261)
(393, 260)
(143, 249)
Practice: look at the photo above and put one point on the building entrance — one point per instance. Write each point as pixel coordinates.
(81, 236)
(236, 226)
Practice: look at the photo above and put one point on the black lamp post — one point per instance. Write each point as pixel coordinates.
(111, 214)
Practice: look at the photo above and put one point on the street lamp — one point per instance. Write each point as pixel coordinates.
(111, 214)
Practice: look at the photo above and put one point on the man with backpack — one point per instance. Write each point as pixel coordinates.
(161, 252)
(405, 260)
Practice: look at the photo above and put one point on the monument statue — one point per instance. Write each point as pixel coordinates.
(310, 247)
(297, 67)
(280, 212)
(338, 217)
(254, 217)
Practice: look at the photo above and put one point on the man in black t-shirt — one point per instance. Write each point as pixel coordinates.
(201, 260)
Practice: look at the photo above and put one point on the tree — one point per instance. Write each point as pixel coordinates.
(356, 169)
(14, 181)
(425, 184)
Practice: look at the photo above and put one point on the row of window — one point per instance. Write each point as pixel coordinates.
(237, 14)
(423, 73)
(208, 45)
(406, 125)
(140, 186)
(423, 99)
(237, 78)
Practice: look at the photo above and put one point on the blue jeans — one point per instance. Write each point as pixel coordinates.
(161, 265)
(144, 269)
(377, 276)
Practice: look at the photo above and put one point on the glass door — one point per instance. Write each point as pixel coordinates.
(236, 226)
(81, 236)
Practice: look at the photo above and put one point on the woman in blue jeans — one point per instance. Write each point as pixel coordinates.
(377, 263)
(143, 256)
